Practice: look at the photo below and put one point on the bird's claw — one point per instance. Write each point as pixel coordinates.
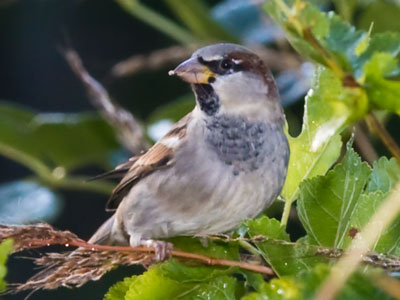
(162, 249)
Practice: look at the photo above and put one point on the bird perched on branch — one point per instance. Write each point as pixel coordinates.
(224, 162)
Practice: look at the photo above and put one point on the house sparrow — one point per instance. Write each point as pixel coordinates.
(224, 162)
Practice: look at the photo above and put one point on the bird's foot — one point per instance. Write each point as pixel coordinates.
(162, 249)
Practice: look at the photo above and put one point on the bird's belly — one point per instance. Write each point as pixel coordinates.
(215, 199)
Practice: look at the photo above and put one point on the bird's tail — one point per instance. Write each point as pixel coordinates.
(103, 235)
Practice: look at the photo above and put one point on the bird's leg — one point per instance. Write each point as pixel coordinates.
(162, 249)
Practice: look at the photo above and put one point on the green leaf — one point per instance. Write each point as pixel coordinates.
(5, 251)
(305, 284)
(335, 207)
(385, 16)
(284, 257)
(55, 139)
(385, 174)
(207, 247)
(173, 280)
(119, 290)
(326, 204)
(367, 205)
(382, 92)
(196, 16)
(388, 42)
(338, 38)
(328, 109)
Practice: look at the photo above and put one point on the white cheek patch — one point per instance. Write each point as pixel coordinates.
(170, 142)
(240, 87)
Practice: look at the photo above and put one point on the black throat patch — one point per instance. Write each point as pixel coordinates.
(207, 98)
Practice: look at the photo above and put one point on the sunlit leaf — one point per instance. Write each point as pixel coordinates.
(173, 280)
(5, 251)
(326, 203)
(328, 109)
(382, 92)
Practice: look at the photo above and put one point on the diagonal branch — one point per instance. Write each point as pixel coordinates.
(376, 126)
(128, 129)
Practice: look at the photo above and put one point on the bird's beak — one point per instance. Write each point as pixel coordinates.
(193, 71)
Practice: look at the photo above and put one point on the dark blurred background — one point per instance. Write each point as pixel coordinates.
(34, 74)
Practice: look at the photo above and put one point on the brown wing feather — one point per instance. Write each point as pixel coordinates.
(118, 172)
(157, 157)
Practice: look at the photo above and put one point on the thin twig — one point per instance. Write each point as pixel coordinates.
(35, 243)
(127, 128)
(388, 284)
(364, 145)
(376, 126)
(46, 175)
(171, 56)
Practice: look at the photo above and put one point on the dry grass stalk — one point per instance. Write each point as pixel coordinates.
(89, 262)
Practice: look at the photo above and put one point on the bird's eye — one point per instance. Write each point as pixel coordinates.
(226, 64)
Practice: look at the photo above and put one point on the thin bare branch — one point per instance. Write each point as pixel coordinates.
(170, 57)
(376, 126)
(363, 143)
(127, 128)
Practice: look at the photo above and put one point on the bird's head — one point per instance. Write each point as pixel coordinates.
(229, 78)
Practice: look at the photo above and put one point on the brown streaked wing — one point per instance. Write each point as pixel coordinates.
(157, 157)
(118, 172)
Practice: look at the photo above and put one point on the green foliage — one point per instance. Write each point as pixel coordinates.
(331, 200)
(172, 280)
(284, 257)
(384, 14)
(5, 251)
(327, 39)
(303, 287)
(59, 140)
(207, 247)
(382, 92)
(51, 144)
(354, 82)
(196, 16)
(358, 71)
(335, 207)
(329, 107)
